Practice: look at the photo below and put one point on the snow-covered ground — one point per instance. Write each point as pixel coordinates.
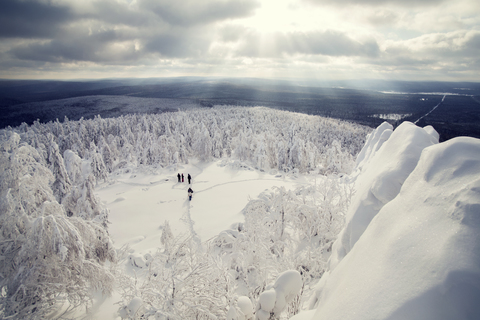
(404, 245)
(410, 246)
(141, 201)
(409, 249)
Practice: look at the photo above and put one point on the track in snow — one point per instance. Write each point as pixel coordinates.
(431, 110)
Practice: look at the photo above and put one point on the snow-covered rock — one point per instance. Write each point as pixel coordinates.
(245, 306)
(419, 256)
(138, 261)
(388, 160)
(274, 300)
(129, 311)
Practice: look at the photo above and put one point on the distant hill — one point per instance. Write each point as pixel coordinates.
(364, 102)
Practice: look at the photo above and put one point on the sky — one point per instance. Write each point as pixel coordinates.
(299, 39)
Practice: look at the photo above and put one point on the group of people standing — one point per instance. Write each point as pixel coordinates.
(181, 178)
(189, 178)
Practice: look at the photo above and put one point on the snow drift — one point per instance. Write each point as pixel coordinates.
(384, 163)
(410, 248)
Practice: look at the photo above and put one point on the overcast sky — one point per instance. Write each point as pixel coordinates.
(320, 39)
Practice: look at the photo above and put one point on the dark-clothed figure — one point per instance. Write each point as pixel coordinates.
(182, 177)
(178, 176)
(189, 177)
(190, 194)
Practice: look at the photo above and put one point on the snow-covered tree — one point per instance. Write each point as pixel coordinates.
(49, 200)
(48, 258)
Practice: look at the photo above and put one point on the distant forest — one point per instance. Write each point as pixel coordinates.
(363, 102)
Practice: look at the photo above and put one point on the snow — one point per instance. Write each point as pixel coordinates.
(132, 308)
(244, 304)
(140, 201)
(409, 249)
(274, 300)
(418, 256)
(266, 301)
(392, 116)
(408, 246)
(382, 173)
(287, 286)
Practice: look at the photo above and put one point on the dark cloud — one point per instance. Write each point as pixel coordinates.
(329, 43)
(472, 44)
(432, 52)
(194, 12)
(402, 3)
(104, 31)
(113, 12)
(103, 47)
(42, 35)
(179, 43)
(30, 19)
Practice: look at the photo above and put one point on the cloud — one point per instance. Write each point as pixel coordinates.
(401, 3)
(107, 46)
(457, 44)
(232, 33)
(329, 43)
(224, 35)
(113, 32)
(30, 19)
(194, 12)
(179, 43)
(383, 18)
(438, 52)
(116, 13)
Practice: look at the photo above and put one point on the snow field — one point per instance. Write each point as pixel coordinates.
(140, 203)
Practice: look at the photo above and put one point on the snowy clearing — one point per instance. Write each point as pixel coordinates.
(140, 202)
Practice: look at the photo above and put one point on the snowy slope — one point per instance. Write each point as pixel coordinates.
(419, 257)
(385, 162)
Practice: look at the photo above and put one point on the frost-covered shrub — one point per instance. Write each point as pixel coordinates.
(48, 258)
(179, 283)
(273, 301)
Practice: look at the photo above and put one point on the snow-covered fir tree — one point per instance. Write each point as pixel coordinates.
(54, 238)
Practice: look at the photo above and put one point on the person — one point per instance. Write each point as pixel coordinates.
(178, 176)
(189, 178)
(190, 194)
(182, 177)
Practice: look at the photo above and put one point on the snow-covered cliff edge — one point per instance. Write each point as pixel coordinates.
(411, 245)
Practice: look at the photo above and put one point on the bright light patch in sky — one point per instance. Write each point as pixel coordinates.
(341, 39)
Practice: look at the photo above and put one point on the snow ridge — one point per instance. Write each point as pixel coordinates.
(410, 248)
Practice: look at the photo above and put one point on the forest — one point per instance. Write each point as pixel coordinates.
(55, 246)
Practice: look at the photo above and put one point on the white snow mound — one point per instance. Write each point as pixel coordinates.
(419, 257)
(381, 174)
